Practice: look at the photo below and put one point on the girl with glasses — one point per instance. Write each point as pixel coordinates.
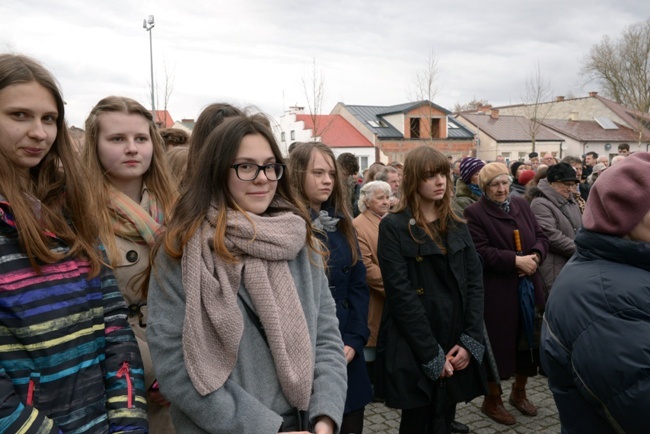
(68, 359)
(317, 179)
(242, 326)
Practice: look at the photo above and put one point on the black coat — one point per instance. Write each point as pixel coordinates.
(595, 339)
(417, 323)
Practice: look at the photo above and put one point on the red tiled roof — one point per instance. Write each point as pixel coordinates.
(591, 131)
(509, 128)
(335, 131)
(163, 119)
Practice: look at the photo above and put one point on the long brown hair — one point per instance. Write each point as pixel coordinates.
(157, 179)
(298, 165)
(59, 182)
(207, 185)
(421, 163)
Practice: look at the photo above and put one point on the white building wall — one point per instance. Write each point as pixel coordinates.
(396, 120)
(294, 131)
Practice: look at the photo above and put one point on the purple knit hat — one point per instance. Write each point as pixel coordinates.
(468, 167)
(618, 201)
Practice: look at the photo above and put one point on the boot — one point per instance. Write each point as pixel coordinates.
(493, 406)
(518, 397)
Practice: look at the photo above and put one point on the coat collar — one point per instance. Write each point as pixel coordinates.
(425, 245)
(494, 211)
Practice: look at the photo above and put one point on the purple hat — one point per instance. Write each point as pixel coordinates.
(619, 200)
(468, 167)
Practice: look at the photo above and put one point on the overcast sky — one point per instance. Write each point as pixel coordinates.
(256, 52)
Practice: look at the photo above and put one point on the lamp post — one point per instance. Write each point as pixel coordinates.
(148, 24)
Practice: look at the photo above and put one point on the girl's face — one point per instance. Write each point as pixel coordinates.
(319, 179)
(28, 128)
(433, 187)
(253, 196)
(124, 147)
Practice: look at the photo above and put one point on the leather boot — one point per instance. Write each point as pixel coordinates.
(518, 397)
(493, 407)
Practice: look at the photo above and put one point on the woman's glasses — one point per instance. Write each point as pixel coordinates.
(250, 171)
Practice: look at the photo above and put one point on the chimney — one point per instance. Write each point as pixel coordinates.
(593, 94)
(484, 108)
(559, 98)
(494, 113)
(187, 120)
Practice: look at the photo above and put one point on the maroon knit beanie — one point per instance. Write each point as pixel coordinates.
(618, 201)
(468, 167)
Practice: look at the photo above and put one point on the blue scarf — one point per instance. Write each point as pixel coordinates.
(475, 189)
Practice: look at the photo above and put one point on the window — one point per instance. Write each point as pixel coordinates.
(523, 156)
(415, 128)
(293, 135)
(506, 155)
(363, 164)
(435, 128)
(282, 137)
(374, 124)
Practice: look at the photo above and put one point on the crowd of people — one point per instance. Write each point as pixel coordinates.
(163, 282)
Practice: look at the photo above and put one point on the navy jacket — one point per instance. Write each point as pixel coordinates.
(351, 294)
(595, 339)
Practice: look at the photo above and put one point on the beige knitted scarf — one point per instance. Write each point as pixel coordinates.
(214, 324)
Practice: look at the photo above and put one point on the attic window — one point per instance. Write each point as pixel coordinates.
(606, 123)
(374, 124)
(415, 128)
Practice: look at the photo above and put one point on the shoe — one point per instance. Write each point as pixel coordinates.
(493, 408)
(459, 427)
(519, 401)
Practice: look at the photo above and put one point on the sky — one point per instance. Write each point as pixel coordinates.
(264, 53)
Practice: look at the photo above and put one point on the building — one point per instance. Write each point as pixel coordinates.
(186, 125)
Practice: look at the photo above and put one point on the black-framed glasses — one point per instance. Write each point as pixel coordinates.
(249, 171)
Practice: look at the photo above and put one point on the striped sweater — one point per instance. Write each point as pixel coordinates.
(69, 362)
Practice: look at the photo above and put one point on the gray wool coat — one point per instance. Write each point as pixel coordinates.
(560, 220)
(251, 400)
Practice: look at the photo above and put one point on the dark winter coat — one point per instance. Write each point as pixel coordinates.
(417, 325)
(492, 232)
(595, 347)
(560, 220)
(351, 294)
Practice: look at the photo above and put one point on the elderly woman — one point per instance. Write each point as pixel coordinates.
(559, 216)
(491, 222)
(374, 202)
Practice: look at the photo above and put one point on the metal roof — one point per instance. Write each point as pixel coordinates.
(367, 114)
(510, 128)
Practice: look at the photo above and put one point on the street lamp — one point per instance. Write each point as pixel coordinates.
(148, 24)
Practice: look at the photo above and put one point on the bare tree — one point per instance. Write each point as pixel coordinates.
(473, 105)
(167, 90)
(425, 88)
(313, 86)
(622, 66)
(537, 90)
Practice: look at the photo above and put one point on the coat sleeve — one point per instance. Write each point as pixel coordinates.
(230, 409)
(406, 309)
(373, 272)
(357, 332)
(15, 416)
(330, 367)
(547, 219)
(493, 258)
(124, 379)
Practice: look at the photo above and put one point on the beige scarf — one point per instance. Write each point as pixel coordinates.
(214, 324)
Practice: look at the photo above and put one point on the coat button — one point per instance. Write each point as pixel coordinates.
(419, 258)
(345, 304)
(420, 291)
(132, 256)
(346, 269)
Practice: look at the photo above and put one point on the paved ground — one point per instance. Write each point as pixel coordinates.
(383, 420)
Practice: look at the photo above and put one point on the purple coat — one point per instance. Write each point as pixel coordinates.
(492, 232)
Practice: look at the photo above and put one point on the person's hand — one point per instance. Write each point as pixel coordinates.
(526, 265)
(459, 357)
(349, 353)
(157, 397)
(447, 369)
(325, 425)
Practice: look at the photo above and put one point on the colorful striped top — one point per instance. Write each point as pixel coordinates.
(69, 362)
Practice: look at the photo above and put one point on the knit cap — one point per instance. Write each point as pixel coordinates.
(514, 166)
(468, 167)
(619, 200)
(526, 176)
(489, 172)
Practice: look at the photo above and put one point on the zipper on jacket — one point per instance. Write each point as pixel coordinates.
(34, 379)
(124, 371)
